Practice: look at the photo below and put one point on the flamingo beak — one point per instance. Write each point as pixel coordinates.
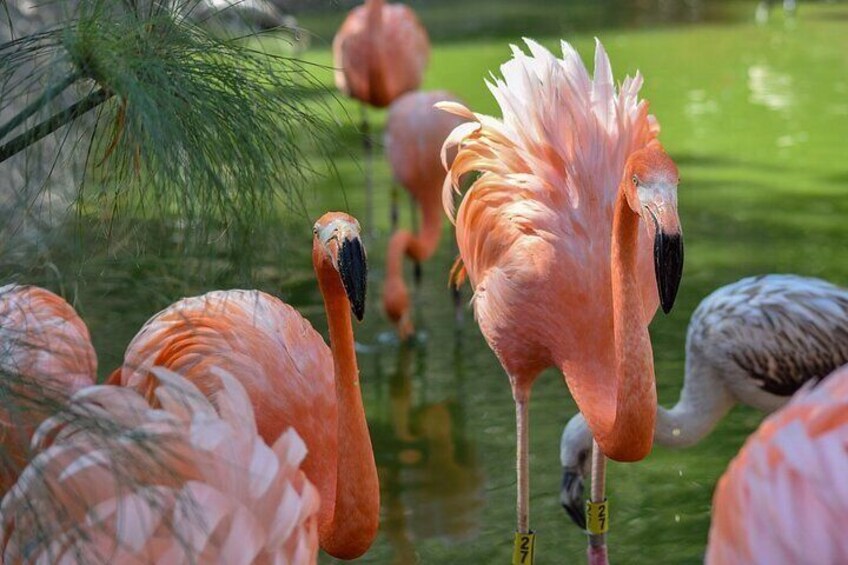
(416, 273)
(668, 252)
(353, 269)
(571, 496)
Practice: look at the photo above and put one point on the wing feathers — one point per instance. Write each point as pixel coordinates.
(187, 482)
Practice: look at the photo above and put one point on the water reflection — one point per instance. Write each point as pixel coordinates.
(770, 88)
(431, 480)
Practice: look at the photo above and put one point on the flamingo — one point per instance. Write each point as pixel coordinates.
(45, 356)
(753, 342)
(414, 137)
(784, 498)
(555, 237)
(292, 378)
(117, 481)
(379, 53)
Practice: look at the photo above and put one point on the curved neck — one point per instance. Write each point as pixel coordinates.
(418, 247)
(348, 524)
(427, 239)
(703, 402)
(377, 90)
(629, 436)
(398, 245)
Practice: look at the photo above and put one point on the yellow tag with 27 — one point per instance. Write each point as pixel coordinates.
(597, 517)
(524, 550)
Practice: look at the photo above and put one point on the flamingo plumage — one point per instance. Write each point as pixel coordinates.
(380, 52)
(753, 342)
(784, 497)
(292, 378)
(556, 239)
(117, 481)
(45, 356)
(415, 133)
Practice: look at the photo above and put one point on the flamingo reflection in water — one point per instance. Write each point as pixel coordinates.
(431, 479)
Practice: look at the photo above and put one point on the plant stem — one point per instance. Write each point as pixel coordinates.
(53, 123)
(46, 97)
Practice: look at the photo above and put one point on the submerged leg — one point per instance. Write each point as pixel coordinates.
(597, 519)
(368, 148)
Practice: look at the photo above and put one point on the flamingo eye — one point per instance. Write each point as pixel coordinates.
(635, 180)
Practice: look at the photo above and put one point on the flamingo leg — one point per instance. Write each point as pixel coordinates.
(597, 550)
(522, 415)
(413, 214)
(456, 293)
(368, 147)
(394, 211)
(523, 551)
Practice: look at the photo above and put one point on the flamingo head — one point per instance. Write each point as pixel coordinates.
(575, 454)
(337, 244)
(650, 181)
(397, 307)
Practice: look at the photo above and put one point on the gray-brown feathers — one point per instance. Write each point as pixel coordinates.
(779, 330)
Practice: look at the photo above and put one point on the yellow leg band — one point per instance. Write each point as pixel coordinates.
(597, 517)
(524, 550)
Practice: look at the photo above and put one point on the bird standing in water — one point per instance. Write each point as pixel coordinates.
(292, 378)
(415, 134)
(45, 356)
(784, 498)
(568, 237)
(755, 342)
(379, 53)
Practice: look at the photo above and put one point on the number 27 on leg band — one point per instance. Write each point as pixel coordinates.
(597, 517)
(524, 549)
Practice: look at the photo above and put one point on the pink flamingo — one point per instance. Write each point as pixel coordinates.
(379, 53)
(117, 481)
(753, 342)
(292, 378)
(414, 137)
(555, 237)
(784, 498)
(46, 356)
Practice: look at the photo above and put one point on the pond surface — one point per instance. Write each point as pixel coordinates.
(755, 115)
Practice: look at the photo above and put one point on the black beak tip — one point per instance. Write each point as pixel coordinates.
(578, 517)
(668, 265)
(417, 273)
(571, 498)
(353, 269)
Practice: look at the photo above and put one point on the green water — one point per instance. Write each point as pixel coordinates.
(756, 116)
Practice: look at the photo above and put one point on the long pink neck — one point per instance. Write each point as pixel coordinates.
(349, 524)
(611, 373)
(418, 247)
(631, 434)
(377, 87)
